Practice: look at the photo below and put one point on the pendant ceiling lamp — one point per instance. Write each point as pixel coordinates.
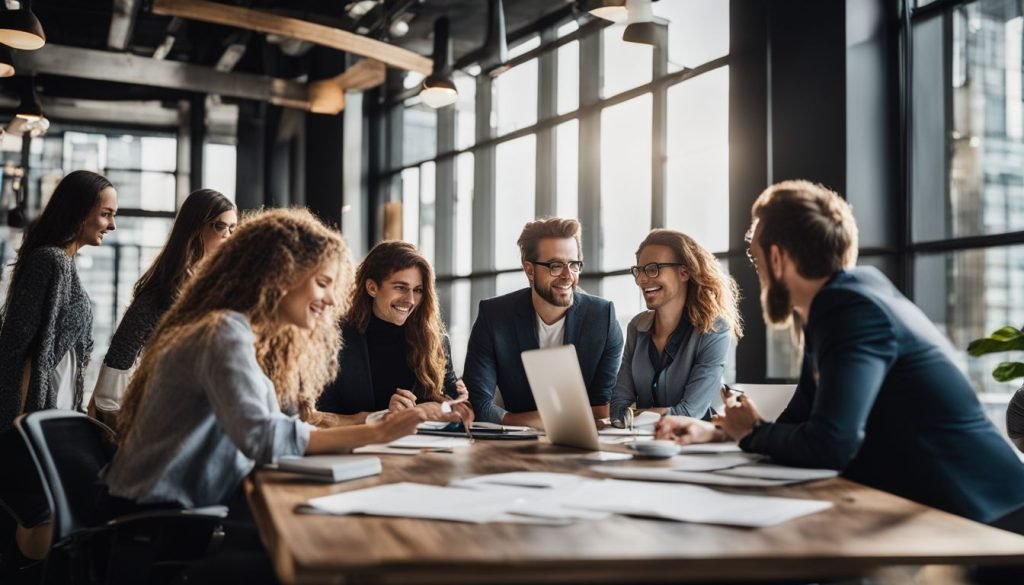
(438, 89)
(20, 29)
(641, 26)
(613, 10)
(495, 50)
(29, 108)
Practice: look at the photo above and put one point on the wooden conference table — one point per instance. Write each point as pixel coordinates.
(865, 530)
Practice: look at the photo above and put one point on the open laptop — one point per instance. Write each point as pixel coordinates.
(561, 396)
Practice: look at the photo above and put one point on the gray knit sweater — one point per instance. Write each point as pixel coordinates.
(48, 314)
(137, 324)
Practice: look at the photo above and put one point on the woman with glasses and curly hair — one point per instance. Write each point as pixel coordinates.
(231, 375)
(204, 222)
(395, 352)
(676, 350)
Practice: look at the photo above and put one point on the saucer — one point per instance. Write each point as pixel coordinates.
(658, 449)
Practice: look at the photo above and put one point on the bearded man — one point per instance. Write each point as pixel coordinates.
(879, 398)
(552, 311)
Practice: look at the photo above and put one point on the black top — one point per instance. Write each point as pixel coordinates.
(881, 399)
(371, 370)
(386, 342)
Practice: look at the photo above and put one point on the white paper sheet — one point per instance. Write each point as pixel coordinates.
(383, 449)
(431, 502)
(614, 432)
(669, 474)
(711, 448)
(689, 503)
(428, 442)
(771, 471)
(535, 493)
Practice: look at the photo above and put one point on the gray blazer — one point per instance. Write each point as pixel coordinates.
(687, 386)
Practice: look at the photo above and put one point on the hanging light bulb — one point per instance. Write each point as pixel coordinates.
(613, 10)
(21, 29)
(29, 108)
(438, 89)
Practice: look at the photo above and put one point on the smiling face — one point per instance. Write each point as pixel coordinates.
(218, 230)
(397, 296)
(555, 290)
(306, 302)
(100, 220)
(670, 284)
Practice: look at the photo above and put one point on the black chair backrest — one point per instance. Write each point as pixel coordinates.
(69, 449)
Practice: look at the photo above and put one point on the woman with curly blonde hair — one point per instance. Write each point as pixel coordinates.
(676, 350)
(233, 370)
(396, 352)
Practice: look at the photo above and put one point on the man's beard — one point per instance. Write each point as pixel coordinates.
(776, 304)
(548, 295)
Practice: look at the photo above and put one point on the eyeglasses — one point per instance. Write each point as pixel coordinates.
(220, 227)
(556, 268)
(652, 270)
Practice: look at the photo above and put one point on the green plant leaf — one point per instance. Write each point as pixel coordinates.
(1005, 333)
(1005, 339)
(1007, 371)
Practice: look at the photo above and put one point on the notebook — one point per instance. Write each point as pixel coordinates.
(330, 468)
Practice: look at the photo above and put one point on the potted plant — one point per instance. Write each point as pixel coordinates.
(1006, 339)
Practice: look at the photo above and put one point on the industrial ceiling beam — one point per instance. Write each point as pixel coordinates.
(126, 68)
(319, 34)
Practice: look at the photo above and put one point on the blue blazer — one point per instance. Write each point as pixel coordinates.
(880, 399)
(506, 326)
(352, 390)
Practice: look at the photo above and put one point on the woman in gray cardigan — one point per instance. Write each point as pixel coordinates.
(675, 352)
(46, 337)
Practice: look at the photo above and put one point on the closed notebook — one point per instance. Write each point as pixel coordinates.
(330, 468)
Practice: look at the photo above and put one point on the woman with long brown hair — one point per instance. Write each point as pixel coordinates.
(205, 221)
(233, 370)
(396, 353)
(675, 352)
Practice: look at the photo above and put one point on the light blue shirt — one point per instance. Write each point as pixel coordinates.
(209, 416)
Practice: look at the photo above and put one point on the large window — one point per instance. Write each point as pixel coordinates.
(968, 218)
(626, 137)
(143, 170)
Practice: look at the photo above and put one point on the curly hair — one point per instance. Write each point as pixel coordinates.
(250, 273)
(710, 292)
(424, 331)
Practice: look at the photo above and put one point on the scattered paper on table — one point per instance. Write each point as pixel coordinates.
(771, 471)
(711, 448)
(428, 442)
(696, 477)
(687, 503)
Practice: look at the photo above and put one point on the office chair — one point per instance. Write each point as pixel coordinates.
(69, 450)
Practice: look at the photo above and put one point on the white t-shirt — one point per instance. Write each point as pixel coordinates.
(63, 379)
(551, 335)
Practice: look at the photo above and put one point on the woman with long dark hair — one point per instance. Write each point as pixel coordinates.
(46, 337)
(395, 352)
(206, 219)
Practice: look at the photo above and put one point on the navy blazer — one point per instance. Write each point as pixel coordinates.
(352, 390)
(880, 399)
(506, 326)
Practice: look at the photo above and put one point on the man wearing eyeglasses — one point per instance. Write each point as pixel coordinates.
(552, 311)
(880, 397)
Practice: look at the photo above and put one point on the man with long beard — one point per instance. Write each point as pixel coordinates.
(552, 311)
(879, 396)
